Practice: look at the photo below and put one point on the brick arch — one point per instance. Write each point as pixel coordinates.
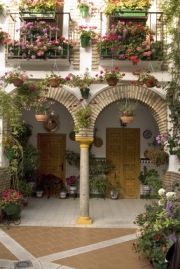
(152, 100)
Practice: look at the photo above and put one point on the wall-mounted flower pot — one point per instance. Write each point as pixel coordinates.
(112, 81)
(84, 11)
(85, 93)
(17, 82)
(126, 119)
(85, 41)
(41, 117)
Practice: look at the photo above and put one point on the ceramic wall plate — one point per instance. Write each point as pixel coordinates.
(72, 136)
(51, 124)
(98, 142)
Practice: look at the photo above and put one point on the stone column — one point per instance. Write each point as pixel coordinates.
(84, 180)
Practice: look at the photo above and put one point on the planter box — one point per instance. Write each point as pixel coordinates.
(50, 15)
(129, 13)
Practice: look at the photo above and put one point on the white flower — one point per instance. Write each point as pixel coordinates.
(170, 195)
(160, 202)
(161, 192)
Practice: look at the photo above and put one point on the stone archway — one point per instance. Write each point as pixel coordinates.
(145, 96)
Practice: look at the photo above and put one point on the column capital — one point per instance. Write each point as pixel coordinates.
(84, 141)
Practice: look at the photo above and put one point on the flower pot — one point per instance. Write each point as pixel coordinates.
(17, 213)
(106, 52)
(126, 12)
(62, 195)
(85, 93)
(17, 82)
(9, 153)
(149, 84)
(72, 189)
(84, 11)
(34, 14)
(39, 194)
(112, 81)
(157, 265)
(85, 41)
(53, 82)
(114, 195)
(41, 117)
(146, 189)
(10, 209)
(126, 119)
(173, 163)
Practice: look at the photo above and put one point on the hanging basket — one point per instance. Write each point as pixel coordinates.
(41, 117)
(17, 82)
(85, 93)
(126, 119)
(53, 82)
(84, 11)
(85, 41)
(112, 81)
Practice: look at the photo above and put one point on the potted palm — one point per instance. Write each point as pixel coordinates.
(127, 112)
(84, 7)
(86, 34)
(111, 76)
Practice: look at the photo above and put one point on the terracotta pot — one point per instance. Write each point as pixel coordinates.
(41, 117)
(149, 84)
(17, 82)
(112, 81)
(53, 82)
(127, 119)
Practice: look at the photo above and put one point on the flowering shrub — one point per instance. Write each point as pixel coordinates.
(72, 180)
(128, 110)
(170, 142)
(106, 74)
(159, 227)
(83, 118)
(157, 157)
(16, 73)
(81, 81)
(144, 77)
(11, 197)
(40, 5)
(3, 36)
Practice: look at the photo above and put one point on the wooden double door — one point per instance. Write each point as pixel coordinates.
(123, 149)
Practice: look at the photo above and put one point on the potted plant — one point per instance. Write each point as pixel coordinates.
(157, 157)
(86, 34)
(127, 112)
(100, 183)
(24, 188)
(84, 7)
(83, 118)
(16, 76)
(54, 80)
(111, 76)
(144, 178)
(39, 190)
(158, 228)
(11, 203)
(63, 191)
(105, 45)
(116, 6)
(81, 81)
(114, 187)
(144, 78)
(72, 182)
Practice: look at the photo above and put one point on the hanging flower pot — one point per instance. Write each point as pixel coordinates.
(53, 82)
(85, 41)
(84, 11)
(41, 117)
(17, 82)
(112, 81)
(126, 119)
(85, 93)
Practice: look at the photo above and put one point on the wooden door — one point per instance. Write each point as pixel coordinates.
(123, 148)
(52, 154)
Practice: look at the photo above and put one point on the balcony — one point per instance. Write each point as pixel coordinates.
(37, 48)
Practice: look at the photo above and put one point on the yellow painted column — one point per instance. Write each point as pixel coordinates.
(84, 180)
